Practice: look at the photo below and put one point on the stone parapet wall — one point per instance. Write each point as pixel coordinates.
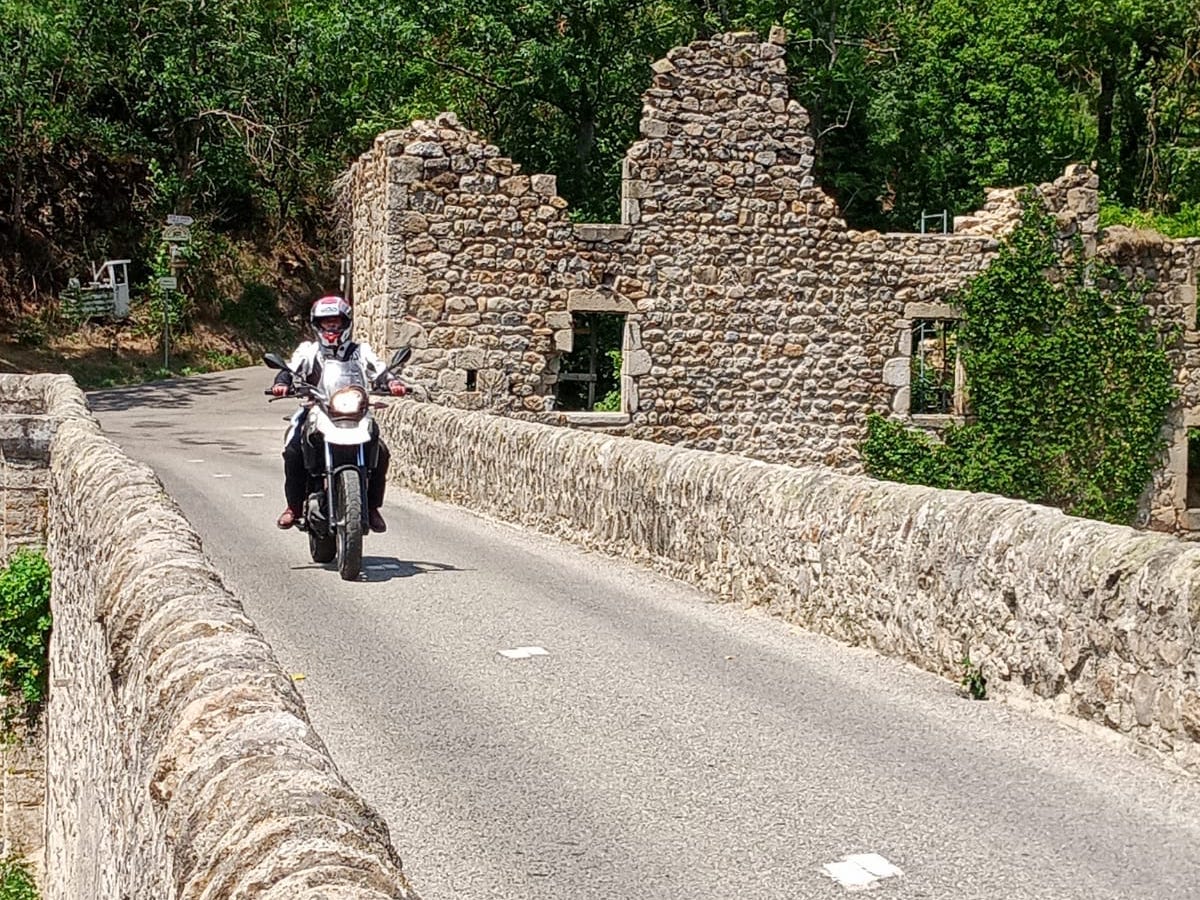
(1095, 620)
(23, 795)
(25, 432)
(181, 763)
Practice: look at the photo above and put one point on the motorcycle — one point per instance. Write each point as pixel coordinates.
(335, 440)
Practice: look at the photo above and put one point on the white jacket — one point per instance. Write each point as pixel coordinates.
(305, 362)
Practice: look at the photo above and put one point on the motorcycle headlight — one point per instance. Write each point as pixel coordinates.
(349, 401)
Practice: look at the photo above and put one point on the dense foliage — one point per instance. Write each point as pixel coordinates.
(1069, 386)
(114, 112)
(25, 627)
(16, 880)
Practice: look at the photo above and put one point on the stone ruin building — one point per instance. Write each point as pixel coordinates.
(749, 317)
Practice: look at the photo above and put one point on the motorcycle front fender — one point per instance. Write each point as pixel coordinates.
(343, 434)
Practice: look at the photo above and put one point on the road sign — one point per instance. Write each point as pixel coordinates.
(175, 219)
(168, 282)
(177, 234)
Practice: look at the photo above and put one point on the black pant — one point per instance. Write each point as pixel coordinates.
(295, 476)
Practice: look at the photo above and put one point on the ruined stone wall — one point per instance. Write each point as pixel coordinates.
(181, 763)
(1166, 271)
(756, 321)
(1092, 619)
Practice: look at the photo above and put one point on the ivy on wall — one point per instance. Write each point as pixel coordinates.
(1069, 385)
(24, 631)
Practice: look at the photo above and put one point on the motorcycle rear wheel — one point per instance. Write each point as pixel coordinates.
(350, 531)
(322, 548)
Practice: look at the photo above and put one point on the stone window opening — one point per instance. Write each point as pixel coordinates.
(589, 377)
(937, 380)
(1193, 469)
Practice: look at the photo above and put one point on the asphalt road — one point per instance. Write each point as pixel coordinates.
(665, 746)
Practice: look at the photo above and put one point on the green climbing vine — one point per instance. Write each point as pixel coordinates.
(1069, 386)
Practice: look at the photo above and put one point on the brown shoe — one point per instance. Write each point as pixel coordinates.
(288, 518)
(376, 520)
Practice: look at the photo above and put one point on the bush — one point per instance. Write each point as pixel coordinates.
(1069, 386)
(1183, 223)
(258, 308)
(16, 881)
(25, 627)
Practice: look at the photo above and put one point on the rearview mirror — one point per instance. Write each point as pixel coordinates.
(274, 360)
(400, 357)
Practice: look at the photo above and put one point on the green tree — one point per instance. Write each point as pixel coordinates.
(557, 85)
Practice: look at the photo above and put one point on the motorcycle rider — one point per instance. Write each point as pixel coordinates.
(331, 319)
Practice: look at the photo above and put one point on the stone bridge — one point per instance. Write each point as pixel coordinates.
(179, 759)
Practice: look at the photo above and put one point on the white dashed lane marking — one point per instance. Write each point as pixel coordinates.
(524, 652)
(253, 495)
(222, 475)
(860, 871)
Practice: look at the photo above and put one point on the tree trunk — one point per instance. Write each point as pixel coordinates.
(18, 183)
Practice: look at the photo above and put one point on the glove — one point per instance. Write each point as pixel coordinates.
(397, 389)
(279, 390)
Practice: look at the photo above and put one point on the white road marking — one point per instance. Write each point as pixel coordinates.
(524, 652)
(253, 495)
(222, 475)
(195, 460)
(877, 865)
(860, 871)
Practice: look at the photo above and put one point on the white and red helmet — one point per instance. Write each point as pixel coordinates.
(331, 318)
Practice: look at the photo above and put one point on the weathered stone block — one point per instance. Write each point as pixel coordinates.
(425, 149)
(544, 185)
(896, 371)
(654, 129)
(635, 363)
(606, 232)
(588, 300)
(406, 333)
(409, 281)
(405, 169)
(467, 358)
(493, 380)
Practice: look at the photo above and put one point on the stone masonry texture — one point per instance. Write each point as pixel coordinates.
(180, 761)
(1094, 620)
(25, 432)
(756, 321)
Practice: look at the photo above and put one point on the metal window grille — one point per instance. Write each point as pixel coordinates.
(936, 379)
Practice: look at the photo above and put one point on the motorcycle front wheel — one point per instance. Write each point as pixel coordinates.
(350, 530)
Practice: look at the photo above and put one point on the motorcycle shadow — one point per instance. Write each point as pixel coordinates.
(387, 568)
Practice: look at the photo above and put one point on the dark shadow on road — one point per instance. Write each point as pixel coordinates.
(173, 392)
(376, 569)
(386, 568)
(225, 446)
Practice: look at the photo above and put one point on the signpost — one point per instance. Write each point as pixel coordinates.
(174, 234)
(177, 234)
